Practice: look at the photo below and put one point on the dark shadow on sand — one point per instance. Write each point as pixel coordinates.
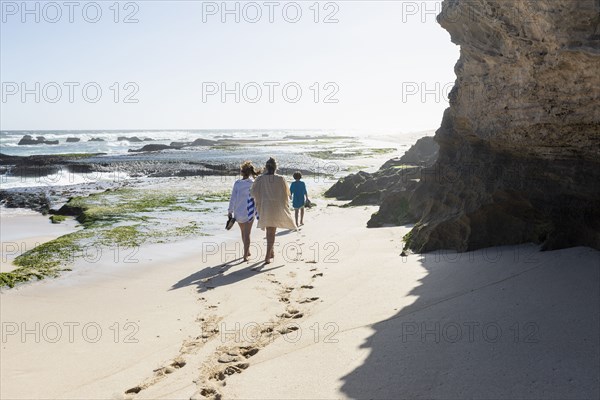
(212, 277)
(510, 324)
(286, 232)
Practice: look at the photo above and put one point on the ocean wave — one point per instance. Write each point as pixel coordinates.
(61, 179)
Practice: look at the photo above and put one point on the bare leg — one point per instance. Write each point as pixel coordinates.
(296, 214)
(301, 217)
(246, 227)
(270, 244)
(247, 244)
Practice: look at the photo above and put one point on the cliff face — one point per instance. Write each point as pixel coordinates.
(519, 156)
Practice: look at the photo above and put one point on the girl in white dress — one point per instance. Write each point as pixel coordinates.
(241, 205)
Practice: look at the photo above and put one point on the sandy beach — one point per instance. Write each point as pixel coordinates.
(444, 156)
(332, 317)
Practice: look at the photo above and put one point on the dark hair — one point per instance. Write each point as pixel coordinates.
(297, 175)
(247, 169)
(271, 165)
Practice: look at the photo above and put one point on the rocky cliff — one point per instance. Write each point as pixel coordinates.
(519, 156)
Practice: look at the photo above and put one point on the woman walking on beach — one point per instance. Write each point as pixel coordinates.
(272, 196)
(241, 204)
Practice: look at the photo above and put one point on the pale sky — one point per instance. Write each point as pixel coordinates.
(376, 60)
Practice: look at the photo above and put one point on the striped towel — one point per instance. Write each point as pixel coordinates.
(251, 209)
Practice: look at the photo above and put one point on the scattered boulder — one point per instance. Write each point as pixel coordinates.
(73, 140)
(390, 187)
(394, 210)
(96, 140)
(69, 210)
(37, 201)
(151, 147)
(349, 187)
(28, 139)
(179, 145)
(197, 142)
(133, 139)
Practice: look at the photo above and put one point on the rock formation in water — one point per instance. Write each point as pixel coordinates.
(390, 186)
(519, 157)
(152, 147)
(28, 139)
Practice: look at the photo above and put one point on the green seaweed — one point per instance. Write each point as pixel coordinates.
(123, 236)
(215, 197)
(99, 214)
(78, 155)
(113, 206)
(45, 260)
(57, 219)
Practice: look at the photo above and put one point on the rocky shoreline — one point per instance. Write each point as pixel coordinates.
(390, 187)
(519, 158)
(519, 146)
(122, 170)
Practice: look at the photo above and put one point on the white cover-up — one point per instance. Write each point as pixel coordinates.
(272, 199)
(240, 199)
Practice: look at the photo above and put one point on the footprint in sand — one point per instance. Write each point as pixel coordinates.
(288, 329)
(235, 357)
(228, 358)
(248, 351)
(317, 275)
(158, 374)
(307, 287)
(134, 390)
(291, 313)
(176, 364)
(309, 300)
(236, 369)
(206, 393)
(207, 332)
